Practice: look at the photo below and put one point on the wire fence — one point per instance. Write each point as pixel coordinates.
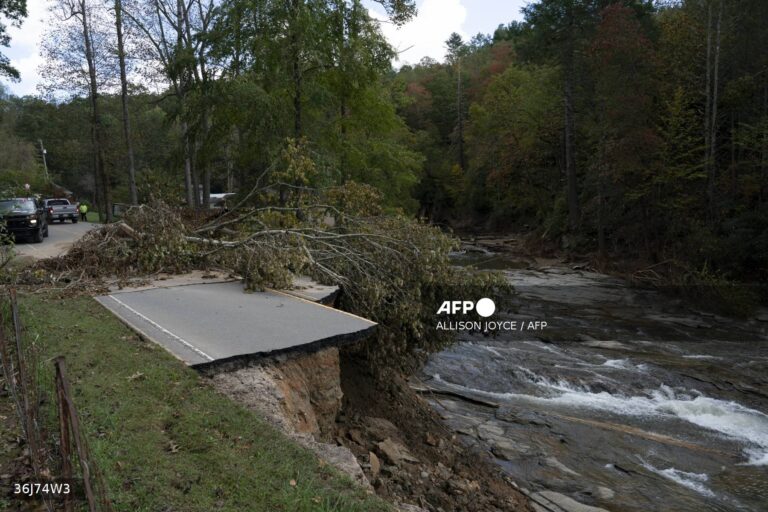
(56, 455)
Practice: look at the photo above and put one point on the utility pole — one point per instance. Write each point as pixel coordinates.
(45, 164)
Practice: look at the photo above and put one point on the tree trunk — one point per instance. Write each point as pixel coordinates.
(708, 103)
(188, 166)
(297, 72)
(98, 196)
(460, 114)
(207, 185)
(96, 115)
(124, 97)
(764, 159)
(713, 123)
(297, 84)
(570, 156)
(342, 41)
(733, 156)
(195, 182)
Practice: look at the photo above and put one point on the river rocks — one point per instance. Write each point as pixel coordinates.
(694, 322)
(339, 457)
(554, 463)
(490, 431)
(442, 472)
(461, 486)
(507, 450)
(605, 493)
(606, 344)
(521, 417)
(556, 502)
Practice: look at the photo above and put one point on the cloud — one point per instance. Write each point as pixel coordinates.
(425, 35)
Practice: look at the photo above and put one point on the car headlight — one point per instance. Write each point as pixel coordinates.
(32, 221)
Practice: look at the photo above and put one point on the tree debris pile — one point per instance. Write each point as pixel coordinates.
(390, 268)
(150, 239)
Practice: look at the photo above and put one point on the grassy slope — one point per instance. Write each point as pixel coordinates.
(167, 441)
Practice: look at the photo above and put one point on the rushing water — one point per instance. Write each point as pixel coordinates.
(629, 400)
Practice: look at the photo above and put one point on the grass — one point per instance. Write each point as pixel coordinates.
(163, 438)
(92, 216)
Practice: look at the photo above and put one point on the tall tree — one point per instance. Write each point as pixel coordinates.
(456, 50)
(559, 31)
(124, 100)
(627, 148)
(77, 62)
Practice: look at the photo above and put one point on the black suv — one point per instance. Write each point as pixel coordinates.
(23, 216)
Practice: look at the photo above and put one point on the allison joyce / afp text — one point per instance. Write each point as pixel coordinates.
(484, 308)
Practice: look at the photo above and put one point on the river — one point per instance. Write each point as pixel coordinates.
(629, 400)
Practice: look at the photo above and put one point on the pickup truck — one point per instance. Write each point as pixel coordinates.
(23, 216)
(61, 209)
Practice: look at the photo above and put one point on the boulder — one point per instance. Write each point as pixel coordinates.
(375, 464)
(563, 502)
(395, 452)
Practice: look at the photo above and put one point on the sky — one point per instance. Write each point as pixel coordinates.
(425, 36)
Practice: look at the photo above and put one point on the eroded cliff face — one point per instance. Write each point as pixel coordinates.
(310, 387)
(300, 395)
(382, 435)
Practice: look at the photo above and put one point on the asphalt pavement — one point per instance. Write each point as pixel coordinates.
(205, 324)
(60, 239)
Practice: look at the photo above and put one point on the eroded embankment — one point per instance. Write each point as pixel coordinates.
(380, 433)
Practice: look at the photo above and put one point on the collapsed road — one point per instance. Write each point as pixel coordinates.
(209, 325)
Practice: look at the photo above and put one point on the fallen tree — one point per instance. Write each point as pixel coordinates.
(391, 268)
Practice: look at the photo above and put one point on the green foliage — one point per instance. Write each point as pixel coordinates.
(13, 182)
(713, 291)
(160, 245)
(14, 11)
(637, 76)
(410, 275)
(513, 167)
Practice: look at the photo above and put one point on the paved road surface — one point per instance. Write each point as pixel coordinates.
(204, 324)
(60, 239)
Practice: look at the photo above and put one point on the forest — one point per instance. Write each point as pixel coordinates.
(626, 130)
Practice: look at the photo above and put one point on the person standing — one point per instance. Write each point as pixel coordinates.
(83, 208)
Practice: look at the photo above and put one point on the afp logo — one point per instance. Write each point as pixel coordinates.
(484, 307)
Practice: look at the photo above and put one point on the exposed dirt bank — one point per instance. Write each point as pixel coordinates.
(409, 454)
(380, 433)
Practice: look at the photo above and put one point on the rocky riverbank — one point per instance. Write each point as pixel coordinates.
(382, 434)
(629, 400)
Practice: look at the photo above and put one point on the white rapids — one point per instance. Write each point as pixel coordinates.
(727, 418)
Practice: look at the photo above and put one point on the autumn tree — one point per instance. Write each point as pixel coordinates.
(626, 145)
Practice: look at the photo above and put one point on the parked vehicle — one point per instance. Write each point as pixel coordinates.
(23, 217)
(61, 210)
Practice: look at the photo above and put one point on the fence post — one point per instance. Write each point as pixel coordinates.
(82, 452)
(65, 448)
